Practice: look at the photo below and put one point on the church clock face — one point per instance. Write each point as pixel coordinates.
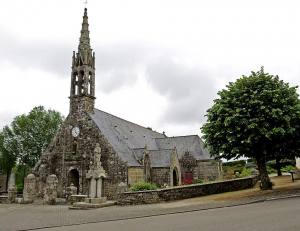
(75, 131)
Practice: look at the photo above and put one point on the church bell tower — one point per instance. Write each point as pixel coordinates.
(82, 95)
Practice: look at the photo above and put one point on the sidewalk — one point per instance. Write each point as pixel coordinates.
(26, 217)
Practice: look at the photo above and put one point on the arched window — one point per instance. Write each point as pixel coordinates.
(74, 148)
(90, 84)
(76, 84)
(80, 83)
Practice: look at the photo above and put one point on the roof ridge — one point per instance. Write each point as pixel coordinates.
(129, 122)
(165, 149)
(171, 137)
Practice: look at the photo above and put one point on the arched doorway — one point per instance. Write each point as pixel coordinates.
(175, 177)
(74, 178)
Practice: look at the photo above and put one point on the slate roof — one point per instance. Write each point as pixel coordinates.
(129, 139)
(160, 158)
(193, 144)
(124, 136)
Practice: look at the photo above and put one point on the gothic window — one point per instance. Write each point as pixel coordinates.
(74, 148)
(90, 84)
(75, 84)
(81, 82)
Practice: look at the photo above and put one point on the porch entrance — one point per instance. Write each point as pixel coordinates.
(175, 178)
(73, 177)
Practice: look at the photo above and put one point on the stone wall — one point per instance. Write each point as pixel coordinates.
(208, 170)
(2, 183)
(135, 175)
(160, 176)
(184, 192)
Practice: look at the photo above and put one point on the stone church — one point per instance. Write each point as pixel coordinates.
(126, 152)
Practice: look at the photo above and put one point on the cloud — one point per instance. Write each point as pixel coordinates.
(34, 54)
(189, 89)
(119, 64)
(6, 118)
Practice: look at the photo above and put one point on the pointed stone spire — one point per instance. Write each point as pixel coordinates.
(84, 41)
(82, 95)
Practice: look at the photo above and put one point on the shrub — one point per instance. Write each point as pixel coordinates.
(143, 186)
(271, 170)
(197, 181)
(246, 172)
(20, 187)
(21, 172)
(288, 168)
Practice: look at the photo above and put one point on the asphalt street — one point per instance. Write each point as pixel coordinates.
(281, 215)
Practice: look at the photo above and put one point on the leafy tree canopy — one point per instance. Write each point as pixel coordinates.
(256, 117)
(29, 135)
(7, 160)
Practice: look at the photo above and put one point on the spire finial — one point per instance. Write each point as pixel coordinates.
(85, 4)
(84, 42)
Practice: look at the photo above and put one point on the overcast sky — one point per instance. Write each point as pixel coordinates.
(160, 63)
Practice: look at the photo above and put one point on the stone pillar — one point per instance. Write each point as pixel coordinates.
(12, 180)
(99, 187)
(29, 191)
(50, 194)
(298, 163)
(89, 188)
(92, 188)
(12, 193)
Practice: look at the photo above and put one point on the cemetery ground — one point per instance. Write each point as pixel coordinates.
(35, 216)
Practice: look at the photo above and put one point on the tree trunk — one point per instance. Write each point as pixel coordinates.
(278, 167)
(7, 180)
(263, 173)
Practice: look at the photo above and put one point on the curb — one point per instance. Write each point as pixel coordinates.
(283, 197)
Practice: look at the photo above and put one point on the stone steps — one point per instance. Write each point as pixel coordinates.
(4, 199)
(86, 206)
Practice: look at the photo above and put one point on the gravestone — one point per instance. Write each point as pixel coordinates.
(12, 189)
(29, 191)
(50, 194)
(71, 190)
(12, 193)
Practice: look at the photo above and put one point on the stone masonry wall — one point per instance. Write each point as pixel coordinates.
(135, 175)
(160, 176)
(67, 152)
(208, 170)
(184, 192)
(2, 183)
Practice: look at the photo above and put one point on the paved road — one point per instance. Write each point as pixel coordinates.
(281, 215)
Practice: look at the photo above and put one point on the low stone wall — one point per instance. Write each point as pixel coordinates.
(2, 183)
(186, 191)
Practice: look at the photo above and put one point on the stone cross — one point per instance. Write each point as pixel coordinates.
(96, 174)
(97, 156)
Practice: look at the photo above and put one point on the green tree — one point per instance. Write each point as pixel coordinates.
(256, 117)
(7, 160)
(29, 135)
